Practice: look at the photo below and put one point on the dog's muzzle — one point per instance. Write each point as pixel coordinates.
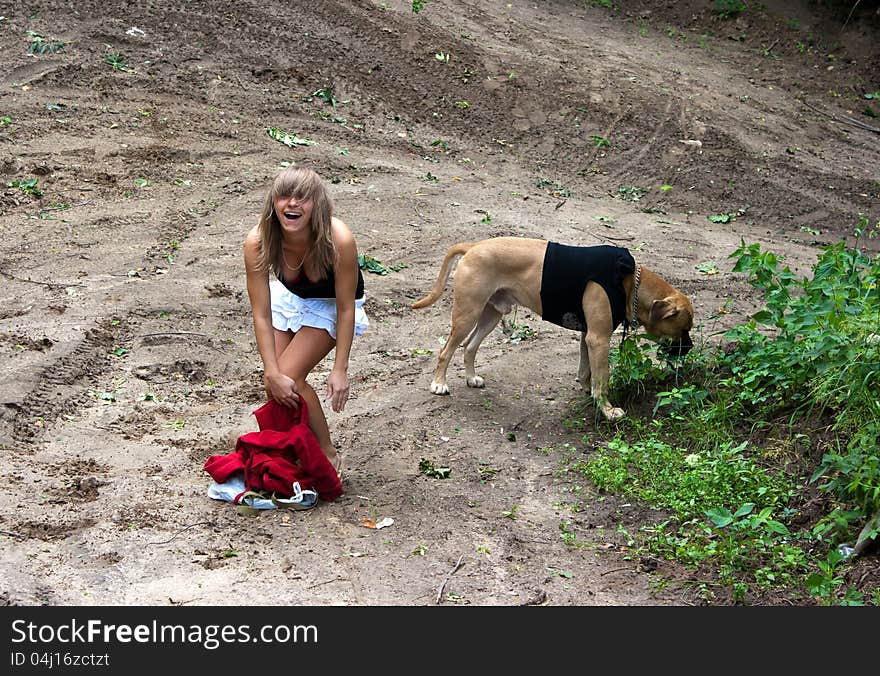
(677, 347)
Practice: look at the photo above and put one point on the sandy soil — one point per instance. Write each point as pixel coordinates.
(125, 332)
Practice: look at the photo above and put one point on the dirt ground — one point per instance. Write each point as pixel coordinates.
(125, 330)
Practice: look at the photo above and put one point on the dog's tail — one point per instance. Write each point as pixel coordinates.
(452, 254)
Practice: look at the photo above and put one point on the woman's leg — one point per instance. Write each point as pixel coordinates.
(298, 353)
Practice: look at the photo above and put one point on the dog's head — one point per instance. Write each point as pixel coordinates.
(670, 320)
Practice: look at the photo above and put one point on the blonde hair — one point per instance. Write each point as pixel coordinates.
(304, 184)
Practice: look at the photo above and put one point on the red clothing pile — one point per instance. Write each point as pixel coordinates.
(284, 451)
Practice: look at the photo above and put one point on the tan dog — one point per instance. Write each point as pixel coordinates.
(590, 289)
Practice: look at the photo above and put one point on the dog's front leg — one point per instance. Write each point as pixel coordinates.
(598, 347)
(583, 376)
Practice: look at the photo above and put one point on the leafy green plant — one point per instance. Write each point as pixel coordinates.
(727, 217)
(853, 473)
(630, 193)
(828, 579)
(819, 332)
(287, 138)
(569, 537)
(632, 369)
(680, 400)
(516, 332)
(512, 512)
(428, 468)
(555, 188)
(487, 218)
(326, 94)
(707, 268)
(487, 473)
(418, 5)
(600, 141)
(117, 62)
(28, 187)
(371, 264)
(40, 45)
(747, 536)
(376, 266)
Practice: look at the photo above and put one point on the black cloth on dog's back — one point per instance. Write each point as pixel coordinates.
(567, 269)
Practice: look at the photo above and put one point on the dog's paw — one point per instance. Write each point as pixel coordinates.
(439, 388)
(476, 381)
(611, 413)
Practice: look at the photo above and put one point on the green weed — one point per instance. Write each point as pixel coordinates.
(117, 62)
(516, 332)
(555, 188)
(326, 94)
(40, 45)
(512, 512)
(631, 193)
(633, 369)
(428, 468)
(28, 187)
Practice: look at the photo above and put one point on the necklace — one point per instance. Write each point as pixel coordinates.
(291, 267)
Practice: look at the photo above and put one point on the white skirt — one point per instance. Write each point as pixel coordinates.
(291, 313)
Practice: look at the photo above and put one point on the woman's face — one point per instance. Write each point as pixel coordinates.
(293, 214)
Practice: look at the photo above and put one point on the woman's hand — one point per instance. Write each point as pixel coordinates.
(282, 389)
(337, 389)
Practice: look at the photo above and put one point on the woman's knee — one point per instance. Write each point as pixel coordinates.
(301, 382)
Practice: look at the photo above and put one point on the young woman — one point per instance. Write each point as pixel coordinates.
(314, 299)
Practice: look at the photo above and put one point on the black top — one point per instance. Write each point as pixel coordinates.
(567, 269)
(323, 288)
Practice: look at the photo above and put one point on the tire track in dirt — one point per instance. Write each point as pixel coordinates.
(63, 385)
(65, 380)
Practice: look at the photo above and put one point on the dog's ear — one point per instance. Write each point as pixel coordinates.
(663, 308)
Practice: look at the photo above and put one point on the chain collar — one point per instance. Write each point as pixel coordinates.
(632, 322)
